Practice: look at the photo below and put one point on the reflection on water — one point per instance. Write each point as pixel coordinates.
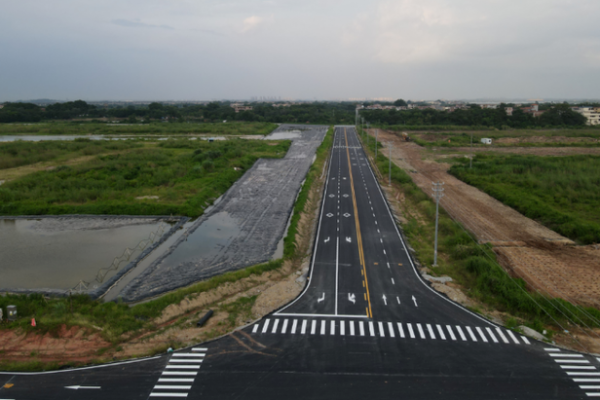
(212, 236)
(34, 253)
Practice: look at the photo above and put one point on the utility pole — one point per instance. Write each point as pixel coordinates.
(376, 134)
(438, 193)
(390, 166)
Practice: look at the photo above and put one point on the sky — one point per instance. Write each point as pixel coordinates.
(313, 50)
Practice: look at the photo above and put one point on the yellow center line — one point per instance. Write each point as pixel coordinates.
(361, 254)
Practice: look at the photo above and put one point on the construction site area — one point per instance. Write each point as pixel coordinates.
(549, 263)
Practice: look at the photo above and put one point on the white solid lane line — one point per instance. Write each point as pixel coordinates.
(473, 338)
(563, 355)
(274, 330)
(441, 332)
(401, 330)
(381, 331)
(176, 387)
(504, 339)
(570, 361)
(421, 333)
(284, 327)
(430, 331)
(303, 329)
(184, 361)
(193, 355)
(391, 329)
(180, 373)
(294, 326)
(512, 336)
(265, 326)
(313, 327)
(491, 334)
(410, 331)
(481, 334)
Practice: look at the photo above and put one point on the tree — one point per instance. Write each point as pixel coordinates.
(400, 103)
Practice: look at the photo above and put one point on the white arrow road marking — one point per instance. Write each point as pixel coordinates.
(352, 298)
(77, 387)
(329, 215)
(326, 240)
(384, 299)
(415, 301)
(332, 195)
(321, 299)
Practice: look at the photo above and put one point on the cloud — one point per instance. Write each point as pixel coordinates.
(251, 23)
(137, 24)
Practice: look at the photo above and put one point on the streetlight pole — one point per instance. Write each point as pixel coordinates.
(438, 193)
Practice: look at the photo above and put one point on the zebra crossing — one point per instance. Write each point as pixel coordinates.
(579, 369)
(179, 374)
(392, 330)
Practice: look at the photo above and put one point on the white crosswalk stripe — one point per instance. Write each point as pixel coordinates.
(178, 377)
(578, 368)
(341, 327)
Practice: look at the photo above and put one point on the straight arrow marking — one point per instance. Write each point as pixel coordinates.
(385, 299)
(415, 301)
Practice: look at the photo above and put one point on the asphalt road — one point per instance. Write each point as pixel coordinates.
(365, 327)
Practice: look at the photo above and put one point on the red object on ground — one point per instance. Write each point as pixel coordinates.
(32, 321)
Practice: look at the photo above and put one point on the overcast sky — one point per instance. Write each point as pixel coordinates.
(325, 49)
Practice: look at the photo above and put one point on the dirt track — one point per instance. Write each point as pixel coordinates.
(548, 261)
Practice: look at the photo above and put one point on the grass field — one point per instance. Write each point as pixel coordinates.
(19, 153)
(185, 175)
(155, 128)
(562, 193)
(588, 137)
(472, 265)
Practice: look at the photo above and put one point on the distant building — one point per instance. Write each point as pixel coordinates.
(1, 106)
(240, 107)
(486, 141)
(592, 114)
(509, 111)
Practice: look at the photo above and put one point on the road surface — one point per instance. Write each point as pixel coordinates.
(366, 326)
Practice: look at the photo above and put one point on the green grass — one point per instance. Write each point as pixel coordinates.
(19, 153)
(155, 128)
(472, 265)
(561, 193)
(456, 138)
(186, 175)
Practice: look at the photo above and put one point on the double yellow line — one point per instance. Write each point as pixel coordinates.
(361, 253)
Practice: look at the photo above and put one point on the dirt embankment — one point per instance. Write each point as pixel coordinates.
(547, 261)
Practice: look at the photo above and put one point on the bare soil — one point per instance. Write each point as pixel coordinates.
(547, 261)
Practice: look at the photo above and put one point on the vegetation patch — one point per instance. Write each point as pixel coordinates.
(559, 192)
(186, 176)
(470, 264)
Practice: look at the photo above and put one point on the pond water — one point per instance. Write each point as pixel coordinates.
(58, 253)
